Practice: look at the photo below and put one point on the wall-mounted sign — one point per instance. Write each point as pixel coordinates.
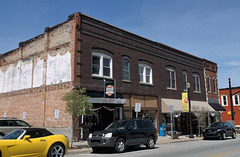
(24, 115)
(138, 107)
(56, 114)
(109, 89)
(4, 114)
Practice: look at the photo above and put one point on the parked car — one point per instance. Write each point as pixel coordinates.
(33, 142)
(219, 130)
(123, 133)
(9, 124)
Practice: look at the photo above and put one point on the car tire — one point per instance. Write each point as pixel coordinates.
(223, 136)
(150, 142)
(56, 149)
(120, 145)
(234, 135)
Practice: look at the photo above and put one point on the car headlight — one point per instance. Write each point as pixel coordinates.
(219, 130)
(90, 136)
(108, 135)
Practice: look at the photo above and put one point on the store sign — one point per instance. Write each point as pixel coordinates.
(109, 90)
(185, 102)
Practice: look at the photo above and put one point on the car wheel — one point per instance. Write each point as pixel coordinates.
(223, 137)
(234, 135)
(150, 142)
(120, 145)
(56, 150)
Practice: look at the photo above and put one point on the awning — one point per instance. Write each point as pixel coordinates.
(217, 107)
(107, 101)
(177, 105)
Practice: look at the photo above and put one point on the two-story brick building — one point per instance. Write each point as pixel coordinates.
(84, 52)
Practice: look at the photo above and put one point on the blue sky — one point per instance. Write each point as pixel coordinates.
(205, 28)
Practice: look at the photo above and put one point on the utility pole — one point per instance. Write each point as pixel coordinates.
(231, 101)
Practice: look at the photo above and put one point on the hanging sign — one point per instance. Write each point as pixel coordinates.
(109, 88)
(176, 115)
(185, 102)
(212, 114)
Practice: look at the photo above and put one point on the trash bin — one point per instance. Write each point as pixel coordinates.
(163, 130)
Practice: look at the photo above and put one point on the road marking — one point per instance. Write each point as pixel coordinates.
(223, 153)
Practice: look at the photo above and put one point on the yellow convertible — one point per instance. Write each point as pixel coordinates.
(33, 142)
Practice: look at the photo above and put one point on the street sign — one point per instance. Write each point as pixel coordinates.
(171, 108)
(138, 107)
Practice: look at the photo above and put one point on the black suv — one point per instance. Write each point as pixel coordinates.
(123, 133)
(219, 130)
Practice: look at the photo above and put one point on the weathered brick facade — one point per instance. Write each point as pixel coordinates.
(61, 59)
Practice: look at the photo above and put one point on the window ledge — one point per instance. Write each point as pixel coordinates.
(126, 81)
(171, 88)
(145, 84)
(102, 77)
(196, 92)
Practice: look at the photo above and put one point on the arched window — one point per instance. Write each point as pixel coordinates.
(101, 65)
(125, 70)
(171, 78)
(196, 83)
(145, 73)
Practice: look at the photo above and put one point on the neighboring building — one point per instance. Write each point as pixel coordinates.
(226, 103)
(212, 92)
(117, 68)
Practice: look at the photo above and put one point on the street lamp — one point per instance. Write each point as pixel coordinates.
(190, 114)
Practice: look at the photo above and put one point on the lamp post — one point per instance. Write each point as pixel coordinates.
(190, 114)
(231, 101)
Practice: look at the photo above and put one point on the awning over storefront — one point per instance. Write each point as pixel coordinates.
(177, 105)
(107, 101)
(217, 107)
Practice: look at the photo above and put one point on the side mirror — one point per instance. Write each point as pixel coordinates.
(129, 127)
(26, 137)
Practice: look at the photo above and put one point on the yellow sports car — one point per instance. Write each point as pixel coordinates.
(34, 142)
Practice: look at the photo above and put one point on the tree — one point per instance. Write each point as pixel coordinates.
(77, 104)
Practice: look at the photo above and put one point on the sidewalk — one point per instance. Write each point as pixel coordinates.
(83, 146)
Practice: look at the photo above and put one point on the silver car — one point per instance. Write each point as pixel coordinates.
(9, 124)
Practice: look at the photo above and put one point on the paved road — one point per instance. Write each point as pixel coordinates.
(202, 148)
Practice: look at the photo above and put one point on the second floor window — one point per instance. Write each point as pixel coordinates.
(224, 100)
(101, 65)
(208, 85)
(236, 99)
(145, 73)
(196, 83)
(171, 78)
(214, 85)
(125, 70)
(184, 75)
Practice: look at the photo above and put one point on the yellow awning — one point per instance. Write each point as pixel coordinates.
(177, 105)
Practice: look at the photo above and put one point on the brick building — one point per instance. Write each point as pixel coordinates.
(226, 103)
(83, 52)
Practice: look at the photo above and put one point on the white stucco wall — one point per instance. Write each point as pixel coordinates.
(38, 73)
(59, 68)
(24, 74)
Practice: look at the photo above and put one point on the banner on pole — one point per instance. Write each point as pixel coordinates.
(185, 102)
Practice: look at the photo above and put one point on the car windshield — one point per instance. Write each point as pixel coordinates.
(216, 125)
(13, 135)
(21, 123)
(117, 125)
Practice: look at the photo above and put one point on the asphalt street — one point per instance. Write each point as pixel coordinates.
(200, 148)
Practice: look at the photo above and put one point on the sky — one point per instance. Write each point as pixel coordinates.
(208, 29)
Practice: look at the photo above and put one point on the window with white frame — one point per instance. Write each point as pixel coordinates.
(224, 100)
(125, 70)
(235, 99)
(184, 75)
(196, 83)
(214, 85)
(208, 85)
(145, 73)
(101, 65)
(171, 78)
